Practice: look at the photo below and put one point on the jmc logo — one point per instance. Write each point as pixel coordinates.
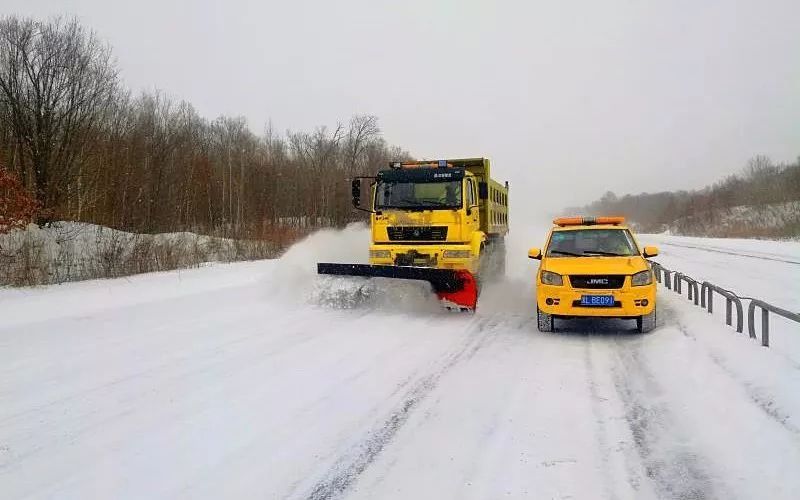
(598, 281)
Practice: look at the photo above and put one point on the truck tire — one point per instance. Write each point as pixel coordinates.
(646, 323)
(546, 322)
(480, 276)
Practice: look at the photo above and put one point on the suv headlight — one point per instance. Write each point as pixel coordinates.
(456, 254)
(380, 254)
(550, 278)
(642, 278)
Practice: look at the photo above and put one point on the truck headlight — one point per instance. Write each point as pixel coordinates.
(456, 254)
(550, 278)
(380, 254)
(642, 278)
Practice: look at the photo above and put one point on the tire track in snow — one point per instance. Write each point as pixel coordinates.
(676, 471)
(599, 418)
(765, 402)
(349, 468)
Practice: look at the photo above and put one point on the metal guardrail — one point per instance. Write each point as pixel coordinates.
(692, 284)
(705, 294)
(765, 310)
(707, 302)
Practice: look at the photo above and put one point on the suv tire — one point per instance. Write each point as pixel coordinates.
(545, 322)
(647, 322)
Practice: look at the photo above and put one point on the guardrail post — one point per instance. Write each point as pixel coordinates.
(656, 270)
(751, 317)
(728, 311)
(765, 310)
(662, 274)
(705, 291)
(693, 293)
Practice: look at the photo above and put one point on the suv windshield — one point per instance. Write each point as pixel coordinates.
(420, 195)
(591, 242)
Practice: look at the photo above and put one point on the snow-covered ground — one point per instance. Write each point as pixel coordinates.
(259, 380)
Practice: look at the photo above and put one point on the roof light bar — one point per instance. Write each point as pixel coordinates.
(422, 164)
(588, 221)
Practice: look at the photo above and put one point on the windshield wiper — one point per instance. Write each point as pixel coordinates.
(562, 252)
(600, 252)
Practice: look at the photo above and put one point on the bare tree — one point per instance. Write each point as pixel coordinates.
(363, 130)
(56, 80)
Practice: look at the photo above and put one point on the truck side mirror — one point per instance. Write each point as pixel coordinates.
(356, 192)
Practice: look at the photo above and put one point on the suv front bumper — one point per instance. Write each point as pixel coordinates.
(564, 301)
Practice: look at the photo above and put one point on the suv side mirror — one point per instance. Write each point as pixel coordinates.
(650, 251)
(535, 253)
(356, 192)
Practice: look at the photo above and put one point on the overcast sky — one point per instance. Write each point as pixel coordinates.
(568, 98)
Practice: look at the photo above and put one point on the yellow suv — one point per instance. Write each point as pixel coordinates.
(593, 267)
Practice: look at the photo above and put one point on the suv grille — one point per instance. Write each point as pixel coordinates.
(417, 233)
(606, 282)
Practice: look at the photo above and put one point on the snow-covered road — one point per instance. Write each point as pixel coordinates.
(224, 382)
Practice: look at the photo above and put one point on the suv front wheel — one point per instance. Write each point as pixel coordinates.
(546, 322)
(647, 322)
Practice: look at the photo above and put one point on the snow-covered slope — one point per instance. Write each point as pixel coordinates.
(73, 251)
(778, 219)
(245, 381)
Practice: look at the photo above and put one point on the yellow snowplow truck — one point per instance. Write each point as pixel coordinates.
(443, 222)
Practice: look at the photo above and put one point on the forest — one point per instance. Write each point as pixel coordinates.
(761, 200)
(77, 145)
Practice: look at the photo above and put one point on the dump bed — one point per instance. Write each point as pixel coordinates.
(492, 196)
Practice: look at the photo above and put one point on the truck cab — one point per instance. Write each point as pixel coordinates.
(442, 214)
(443, 222)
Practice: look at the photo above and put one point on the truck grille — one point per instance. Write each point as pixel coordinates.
(606, 282)
(417, 233)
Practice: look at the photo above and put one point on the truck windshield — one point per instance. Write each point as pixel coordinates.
(591, 242)
(418, 195)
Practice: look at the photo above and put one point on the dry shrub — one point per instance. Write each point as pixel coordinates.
(18, 207)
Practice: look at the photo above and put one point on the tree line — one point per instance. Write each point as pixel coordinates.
(761, 183)
(87, 149)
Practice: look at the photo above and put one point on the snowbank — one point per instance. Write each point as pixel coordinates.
(71, 251)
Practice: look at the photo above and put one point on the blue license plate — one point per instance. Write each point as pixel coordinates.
(597, 300)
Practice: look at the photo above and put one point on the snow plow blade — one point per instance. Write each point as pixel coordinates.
(455, 287)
